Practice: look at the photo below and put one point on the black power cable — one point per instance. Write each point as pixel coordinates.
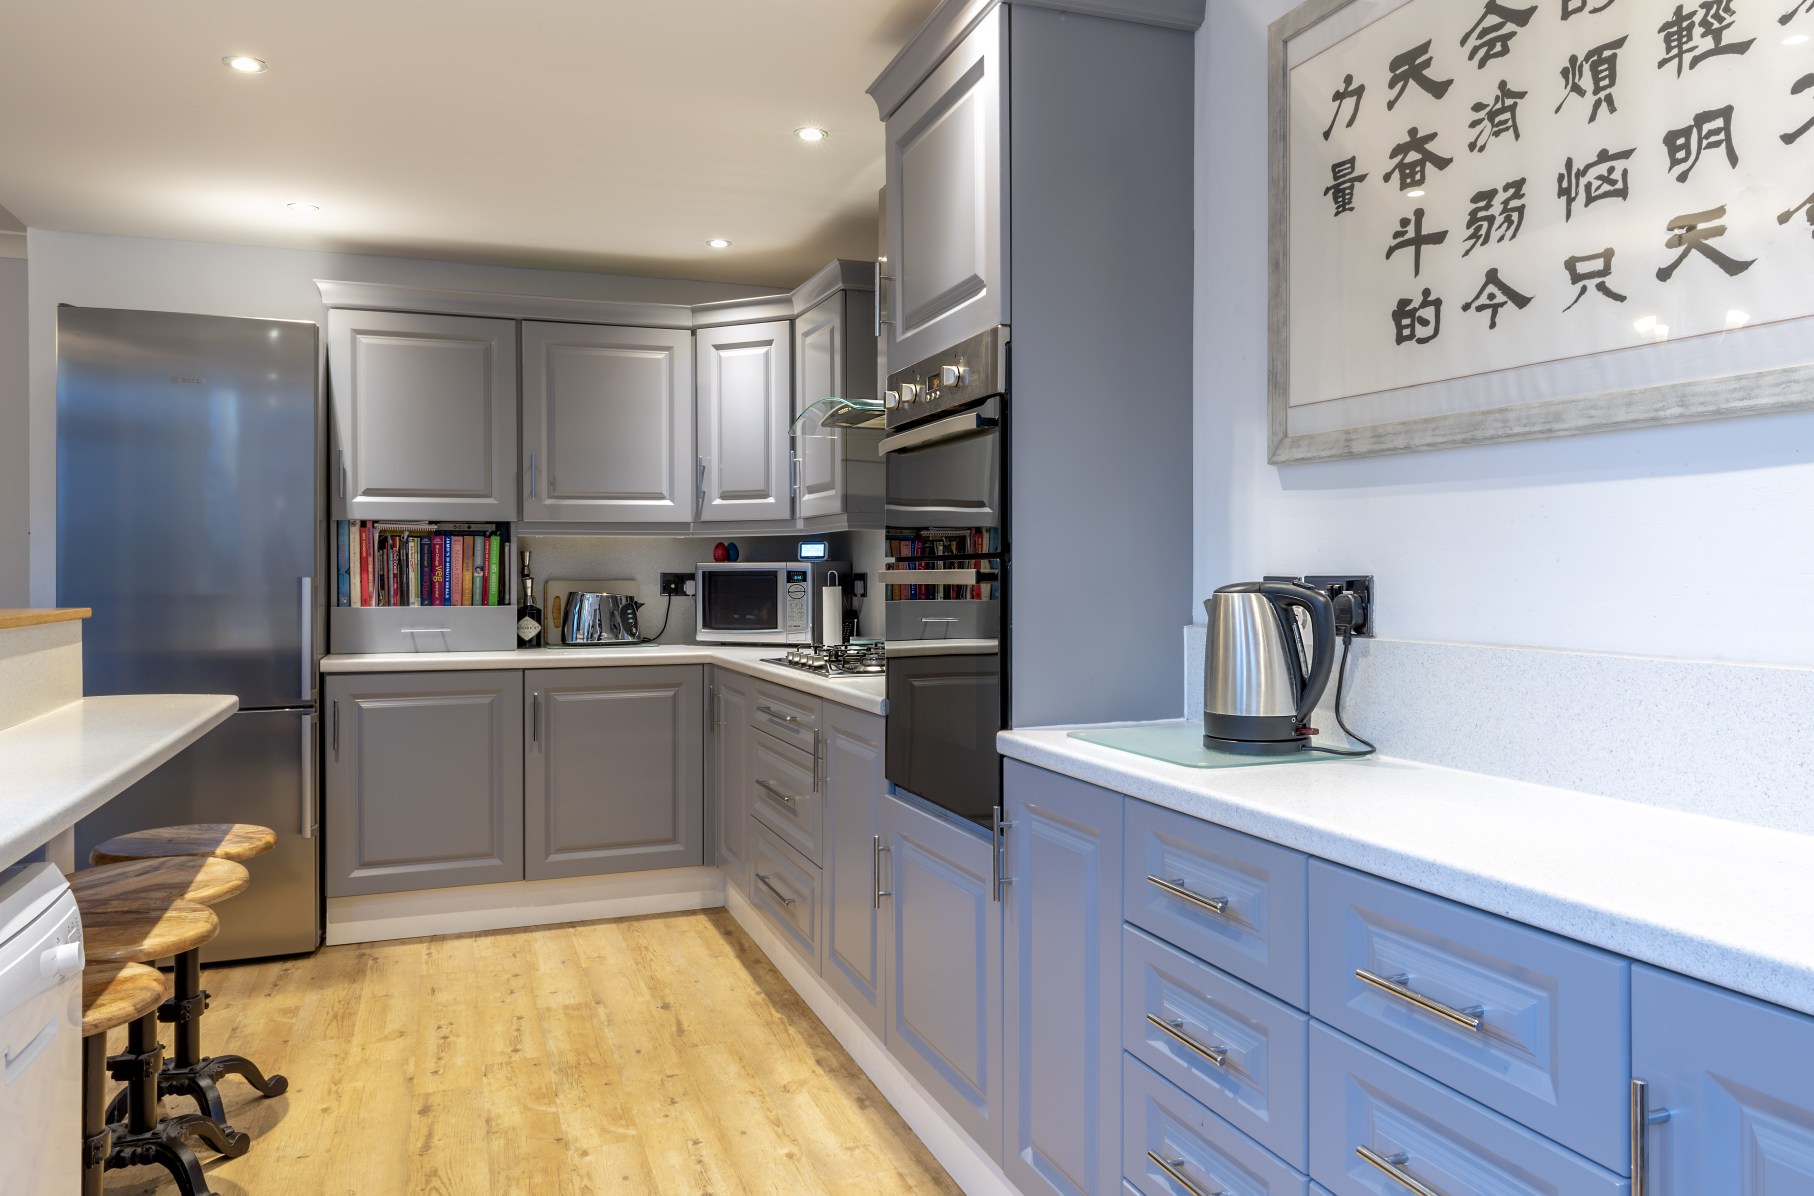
(667, 612)
(1341, 677)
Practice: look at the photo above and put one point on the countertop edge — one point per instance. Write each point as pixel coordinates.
(1740, 953)
(28, 617)
(49, 815)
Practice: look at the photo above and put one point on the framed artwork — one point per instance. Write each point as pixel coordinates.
(1507, 219)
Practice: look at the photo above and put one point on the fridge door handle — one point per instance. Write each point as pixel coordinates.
(307, 829)
(308, 639)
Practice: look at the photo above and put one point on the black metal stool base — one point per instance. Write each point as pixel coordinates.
(201, 1084)
(167, 1145)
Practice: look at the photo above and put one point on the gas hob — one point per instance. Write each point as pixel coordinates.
(864, 658)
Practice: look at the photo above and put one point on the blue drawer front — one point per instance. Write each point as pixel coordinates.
(1737, 1077)
(1178, 868)
(1259, 1087)
(1552, 1048)
(1163, 1128)
(1359, 1098)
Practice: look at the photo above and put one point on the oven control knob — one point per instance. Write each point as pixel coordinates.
(891, 399)
(953, 375)
(909, 393)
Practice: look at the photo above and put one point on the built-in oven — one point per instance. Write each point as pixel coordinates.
(761, 602)
(946, 575)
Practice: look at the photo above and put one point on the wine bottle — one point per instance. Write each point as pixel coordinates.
(528, 614)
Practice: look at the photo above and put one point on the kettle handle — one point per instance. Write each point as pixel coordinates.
(1322, 627)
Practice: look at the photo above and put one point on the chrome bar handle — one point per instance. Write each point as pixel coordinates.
(307, 830)
(1215, 905)
(876, 871)
(425, 630)
(1172, 1168)
(535, 716)
(532, 475)
(999, 879)
(699, 502)
(882, 279)
(336, 735)
(793, 472)
(777, 794)
(1642, 1118)
(776, 714)
(1217, 1055)
(1399, 986)
(342, 453)
(1393, 1165)
(768, 884)
(308, 639)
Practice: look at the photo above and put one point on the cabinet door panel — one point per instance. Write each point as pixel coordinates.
(425, 413)
(944, 986)
(730, 775)
(1737, 1077)
(853, 789)
(614, 770)
(745, 405)
(424, 781)
(608, 424)
(1061, 979)
(819, 370)
(946, 202)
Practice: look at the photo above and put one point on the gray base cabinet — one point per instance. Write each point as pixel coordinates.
(853, 787)
(730, 807)
(613, 771)
(424, 780)
(1061, 910)
(944, 965)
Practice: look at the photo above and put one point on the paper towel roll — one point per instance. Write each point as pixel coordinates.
(831, 615)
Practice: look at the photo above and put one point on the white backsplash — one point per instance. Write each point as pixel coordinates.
(1725, 740)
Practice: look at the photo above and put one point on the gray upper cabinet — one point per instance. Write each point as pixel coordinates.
(731, 709)
(424, 780)
(425, 414)
(855, 951)
(613, 770)
(838, 471)
(946, 203)
(608, 424)
(745, 404)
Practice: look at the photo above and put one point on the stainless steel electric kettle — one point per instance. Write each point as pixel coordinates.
(1257, 691)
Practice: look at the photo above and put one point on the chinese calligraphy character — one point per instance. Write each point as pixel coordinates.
(1349, 90)
(1410, 326)
(1598, 67)
(1413, 66)
(1484, 222)
(1574, 8)
(1598, 274)
(1342, 189)
(1410, 235)
(1412, 158)
(1681, 28)
(1493, 32)
(1806, 205)
(1495, 117)
(1710, 130)
(1591, 182)
(1494, 296)
(1802, 84)
(1691, 233)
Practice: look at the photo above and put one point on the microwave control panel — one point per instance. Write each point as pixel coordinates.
(795, 619)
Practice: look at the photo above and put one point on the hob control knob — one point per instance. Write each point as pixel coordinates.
(891, 399)
(953, 375)
(909, 393)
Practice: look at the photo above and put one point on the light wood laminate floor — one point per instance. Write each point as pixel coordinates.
(639, 1055)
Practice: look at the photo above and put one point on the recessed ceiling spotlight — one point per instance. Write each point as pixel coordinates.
(303, 207)
(719, 243)
(245, 64)
(809, 133)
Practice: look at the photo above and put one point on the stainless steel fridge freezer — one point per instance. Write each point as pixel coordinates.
(189, 519)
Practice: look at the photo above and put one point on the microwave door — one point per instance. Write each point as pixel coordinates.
(735, 601)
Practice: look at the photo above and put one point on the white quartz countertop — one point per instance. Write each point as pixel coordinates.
(1726, 902)
(862, 693)
(60, 767)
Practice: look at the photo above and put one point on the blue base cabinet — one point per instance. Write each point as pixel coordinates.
(1736, 1078)
(1061, 911)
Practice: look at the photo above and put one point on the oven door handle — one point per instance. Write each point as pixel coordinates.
(954, 427)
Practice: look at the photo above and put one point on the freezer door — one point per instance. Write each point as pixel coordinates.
(186, 501)
(259, 767)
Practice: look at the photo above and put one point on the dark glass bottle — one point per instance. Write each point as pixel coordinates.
(528, 614)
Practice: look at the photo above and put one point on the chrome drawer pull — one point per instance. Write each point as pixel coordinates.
(1171, 1168)
(776, 793)
(1215, 905)
(1397, 986)
(1642, 1118)
(776, 714)
(768, 884)
(1394, 1166)
(1217, 1055)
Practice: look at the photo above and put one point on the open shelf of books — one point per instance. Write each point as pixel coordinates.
(943, 583)
(422, 586)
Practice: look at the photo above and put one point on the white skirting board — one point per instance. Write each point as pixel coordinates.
(966, 1162)
(382, 916)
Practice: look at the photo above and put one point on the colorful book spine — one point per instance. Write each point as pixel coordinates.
(495, 578)
(446, 570)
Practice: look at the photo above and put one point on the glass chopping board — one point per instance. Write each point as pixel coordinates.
(1182, 743)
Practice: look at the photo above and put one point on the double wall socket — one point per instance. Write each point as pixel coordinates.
(676, 585)
(1361, 586)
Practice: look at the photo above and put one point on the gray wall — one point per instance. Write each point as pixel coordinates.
(15, 440)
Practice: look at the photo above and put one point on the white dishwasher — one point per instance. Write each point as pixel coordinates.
(40, 1032)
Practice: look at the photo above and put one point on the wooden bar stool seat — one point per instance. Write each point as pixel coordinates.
(116, 994)
(236, 841)
(147, 883)
(119, 933)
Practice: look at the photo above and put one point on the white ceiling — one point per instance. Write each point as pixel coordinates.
(613, 135)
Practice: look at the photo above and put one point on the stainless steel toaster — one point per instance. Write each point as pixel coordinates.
(590, 618)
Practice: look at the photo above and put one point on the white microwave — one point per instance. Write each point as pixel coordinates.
(761, 602)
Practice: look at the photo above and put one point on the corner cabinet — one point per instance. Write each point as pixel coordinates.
(838, 471)
(608, 424)
(946, 204)
(853, 749)
(745, 376)
(425, 416)
(424, 780)
(613, 770)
